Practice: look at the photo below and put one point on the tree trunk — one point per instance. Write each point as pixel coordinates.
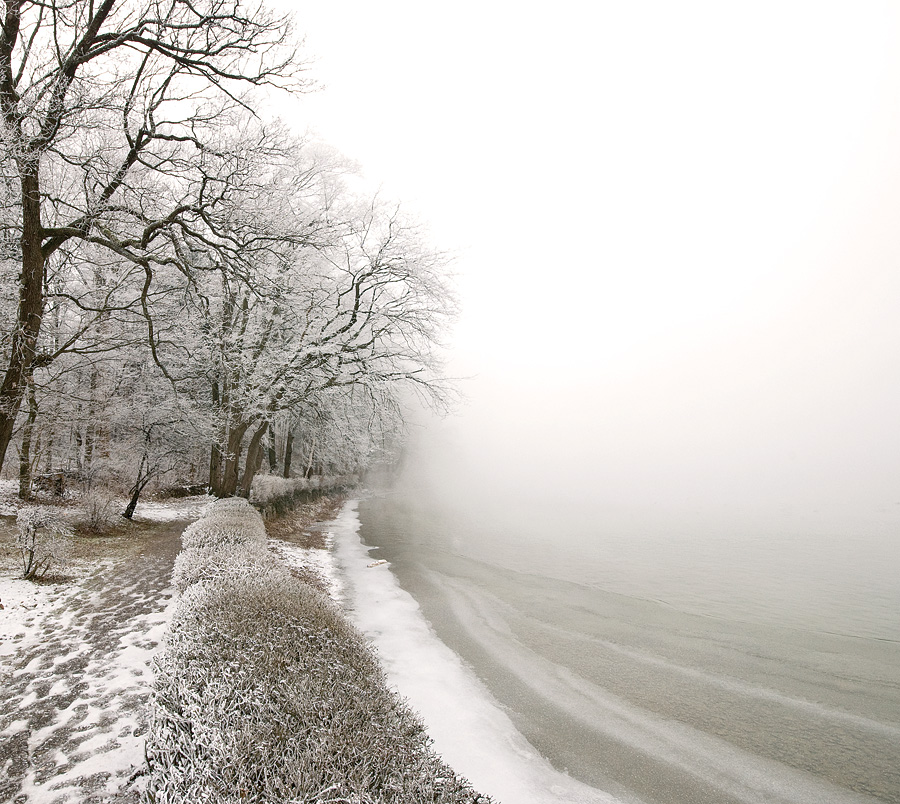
(273, 455)
(136, 490)
(48, 450)
(27, 435)
(30, 309)
(254, 459)
(78, 441)
(215, 469)
(232, 460)
(128, 513)
(215, 454)
(91, 429)
(144, 473)
(288, 453)
(312, 452)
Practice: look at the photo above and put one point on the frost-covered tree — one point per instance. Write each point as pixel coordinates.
(343, 430)
(327, 293)
(110, 112)
(363, 313)
(147, 221)
(154, 435)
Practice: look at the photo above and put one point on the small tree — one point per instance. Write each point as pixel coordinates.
(43, 539)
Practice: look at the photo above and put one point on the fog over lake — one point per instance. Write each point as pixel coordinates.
(663, 527)
(675, 239)
(668, 634)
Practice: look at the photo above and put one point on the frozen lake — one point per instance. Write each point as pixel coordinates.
(651, 663)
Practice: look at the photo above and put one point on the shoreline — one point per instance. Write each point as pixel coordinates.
(643, 700)
(469, 727)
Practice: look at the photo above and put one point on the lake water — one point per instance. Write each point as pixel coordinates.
(654, 662)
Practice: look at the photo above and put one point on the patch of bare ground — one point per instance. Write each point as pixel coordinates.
(118, 538)
(303, 526)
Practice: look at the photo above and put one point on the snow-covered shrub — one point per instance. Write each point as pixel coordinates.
(206, 563)
(226, 504)
(265, 693)
(43, 539)
(275, 495)
(97, 506)
(229, 538)
(229, 521)
(268, 487)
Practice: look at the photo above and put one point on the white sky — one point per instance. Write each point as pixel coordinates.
(677, 228)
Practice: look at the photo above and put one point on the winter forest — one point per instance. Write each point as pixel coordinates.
(192, 292)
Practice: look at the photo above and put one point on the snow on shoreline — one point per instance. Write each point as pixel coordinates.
(469, 728)
(472, 733)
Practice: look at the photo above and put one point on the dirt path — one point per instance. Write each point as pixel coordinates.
(75, 675)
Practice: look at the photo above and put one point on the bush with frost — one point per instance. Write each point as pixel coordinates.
(269, 487)
(225, 522)
(207, 563)
(265, 693)
(43, 539)
(274, 496)
(97, 507)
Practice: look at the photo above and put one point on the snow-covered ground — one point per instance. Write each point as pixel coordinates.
(168, 510)
(172, 510)
(75, 667)
(312, 560)
(88, 736)
(76, 675)
(76, 660)
(9, 502)
(469, 728)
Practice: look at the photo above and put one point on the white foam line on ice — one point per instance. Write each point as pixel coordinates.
(469, 729)
(738, 773)
(731, 684)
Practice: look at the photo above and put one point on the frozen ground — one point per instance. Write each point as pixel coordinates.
(186, 509)
(312, 561)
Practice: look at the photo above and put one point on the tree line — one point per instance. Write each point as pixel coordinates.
(189, 288)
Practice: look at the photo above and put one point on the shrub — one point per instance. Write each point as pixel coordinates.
(208, 563)
(97, 506)
(275, 496)
(43, 539)
(229, 521)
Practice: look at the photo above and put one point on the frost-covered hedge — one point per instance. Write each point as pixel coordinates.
(265, 693)
(229, 538)
(273, 495)
(267, 487)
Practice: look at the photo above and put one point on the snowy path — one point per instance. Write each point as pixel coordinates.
(75, 675)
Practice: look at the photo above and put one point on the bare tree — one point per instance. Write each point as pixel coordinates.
(110, 112)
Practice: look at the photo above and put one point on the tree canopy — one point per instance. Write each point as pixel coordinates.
(182, 275)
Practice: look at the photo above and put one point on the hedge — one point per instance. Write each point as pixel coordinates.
(264, 691)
